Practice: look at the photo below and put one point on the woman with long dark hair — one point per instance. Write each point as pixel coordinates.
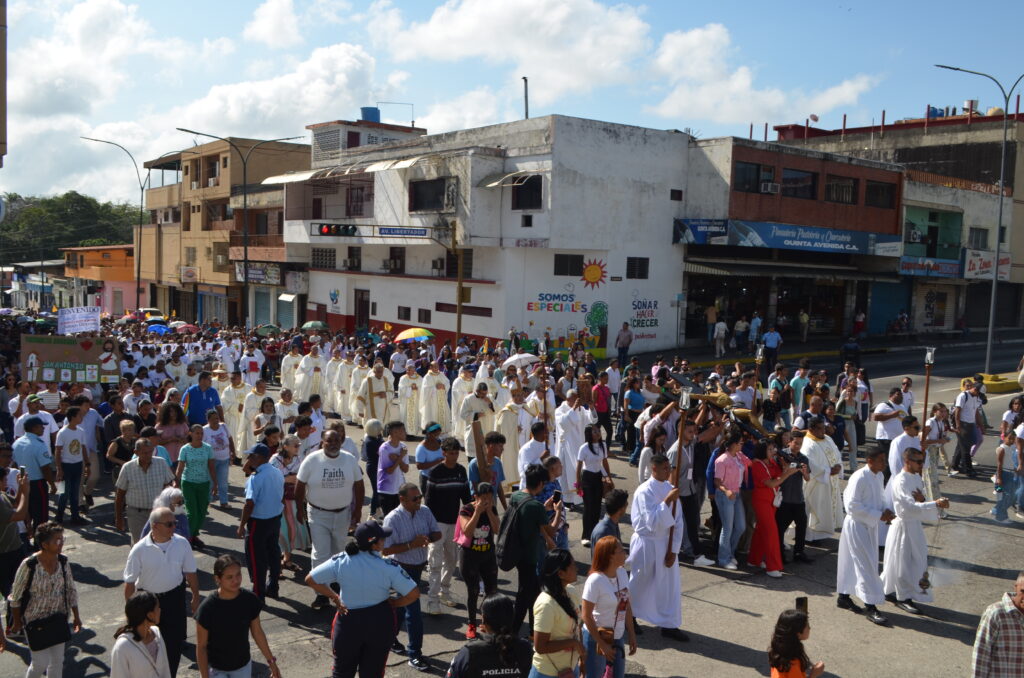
(768, 474)
(556, 621)
(592, 473)
(497, 650)
(786, 654)
(172, 429)
(139, 651)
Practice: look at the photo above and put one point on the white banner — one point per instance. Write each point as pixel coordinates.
(78, 319)
(978, 264)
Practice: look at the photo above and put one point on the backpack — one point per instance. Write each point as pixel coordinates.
(509, 545)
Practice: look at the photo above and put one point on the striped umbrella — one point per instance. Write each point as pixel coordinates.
(413, 334)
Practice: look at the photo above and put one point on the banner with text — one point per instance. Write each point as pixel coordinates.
(783, 236)
(978, 264)
(66, 359)
(78, 319)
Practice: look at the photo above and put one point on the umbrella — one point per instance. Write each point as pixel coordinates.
(159, 329)
(176, 324)
(6, 311)
(154, 321)
(185, 328)
(268, 329)
(315, 325)
(520, 360)
(413, 334)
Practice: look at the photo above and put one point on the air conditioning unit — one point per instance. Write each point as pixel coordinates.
(437, 264)
(195, 185)
(211, 182)
(769, 187)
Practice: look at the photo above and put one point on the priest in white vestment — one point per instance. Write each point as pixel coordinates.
(461, 387)
(500, 395)
(514, 420)
(536, 404)
(329, 395)
(857, 568)
(822, 492)
(654, 585)
(571, 418)
(251, 364)
(250, 408)
(356, 379)
(290, 368)
(434, 397)
(341, 382)
(906, 548)
(409, 387)
(232, 399)
(375, 395)
(476, 407)
(310, 377)
(287, 409)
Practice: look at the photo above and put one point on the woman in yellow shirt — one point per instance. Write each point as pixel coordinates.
(558, 650)
(786, 653)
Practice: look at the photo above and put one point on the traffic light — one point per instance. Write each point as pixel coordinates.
(338, 230)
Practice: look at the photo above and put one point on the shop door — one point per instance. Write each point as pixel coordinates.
(285, 314)
(362, 307)
(261, 307)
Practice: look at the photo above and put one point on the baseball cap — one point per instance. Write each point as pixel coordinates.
(260, 449)
(34, 421)
(33, 398)
(369, 533)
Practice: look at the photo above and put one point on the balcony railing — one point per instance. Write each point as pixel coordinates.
(275, 240)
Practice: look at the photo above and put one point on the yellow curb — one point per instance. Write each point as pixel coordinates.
(1001, 383)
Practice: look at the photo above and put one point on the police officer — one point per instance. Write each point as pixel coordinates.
(364, 626)
(261, 521)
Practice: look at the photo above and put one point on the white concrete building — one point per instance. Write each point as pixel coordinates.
(565, 225)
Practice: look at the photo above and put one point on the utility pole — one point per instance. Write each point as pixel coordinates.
(457, 253)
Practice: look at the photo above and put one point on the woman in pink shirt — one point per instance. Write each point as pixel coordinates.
(730, 467)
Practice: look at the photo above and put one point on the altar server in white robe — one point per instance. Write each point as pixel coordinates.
(250, 408)
(434, 397)
(310, 377)
(375, 394)
(514, 420)
(329, 394)
(654, 586)
(251, 364)
(911, 437)
(857, 569)
(461, 387)
(500, 395)
(571, 418)
(477, 406)
(232, 399)
(906, 549)
(822, 492)
(358, 376)
(535, 403)
(409, 387)
(341, 381)
(290, 368)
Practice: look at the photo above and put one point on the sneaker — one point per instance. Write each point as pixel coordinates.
(1004, 521)
(585, 543)
(471, 632)
(433, 607)
(419, 663)
(776, 574)
(703, 561)
(447, 601)
(731, 566)
(88, 500)
(954, 474)
(734, 562)
(398, 648)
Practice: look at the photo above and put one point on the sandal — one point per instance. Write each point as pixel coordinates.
(291, 567)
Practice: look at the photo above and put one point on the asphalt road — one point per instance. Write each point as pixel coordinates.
(729, 615)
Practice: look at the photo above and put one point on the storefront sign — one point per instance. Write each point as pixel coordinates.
(532, 242)
(404, 232)
(90, 361)
(260, 273)
(931, 268)
(189, 274)
(978, 265)
(297, 282)
(783, 236)
(78, 319)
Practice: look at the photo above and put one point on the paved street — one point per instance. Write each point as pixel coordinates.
(729, 615)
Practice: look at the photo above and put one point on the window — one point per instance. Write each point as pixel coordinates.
(397, 257)
(480, 311)
(355, 258)
(527, 195)
(186, 170)
(799, 184)
(675, 194)
(190, 256)
(1002, 235)
(354, 201)
(423, 316)
(318, 209)
(224, 161)
(880, 194)
(977, 238)
(527, 221)
(451, 264)
(106, 255)
(840, 189)
(637, 267)
(746, 177)
(221, 258)
(426, 195)
(262, 223)
(351, 139)
(404, 313)
(568, 264)
(323, 257)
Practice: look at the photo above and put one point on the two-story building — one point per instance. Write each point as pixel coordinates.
(184, 250)
(561, 224)
(102, 276)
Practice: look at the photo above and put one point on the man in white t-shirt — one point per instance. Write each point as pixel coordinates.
(533, 452)
(34, 409)
(331, 482)
(889, 416)
(70, 459)
(965, 420)
(908, 396)
(397, 364)
(92, 425)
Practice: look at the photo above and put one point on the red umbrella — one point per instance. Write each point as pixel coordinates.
(187, 329)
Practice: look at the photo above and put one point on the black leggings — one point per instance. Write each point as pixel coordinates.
(388, 502)
(592, 486)
(478, 566)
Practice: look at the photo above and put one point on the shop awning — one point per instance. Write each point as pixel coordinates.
(286, 297)
(290, 177)
(735, 268)
(355, 167)
(517, 178)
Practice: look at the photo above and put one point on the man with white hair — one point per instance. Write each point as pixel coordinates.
(375, 394)
(571, 418)
(434, 396)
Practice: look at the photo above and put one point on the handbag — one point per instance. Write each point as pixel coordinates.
(777, 496)
(52, 629)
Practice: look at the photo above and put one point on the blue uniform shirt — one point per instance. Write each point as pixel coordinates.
(265, 488)
(196, 402)
(365, 579)
(32, 452)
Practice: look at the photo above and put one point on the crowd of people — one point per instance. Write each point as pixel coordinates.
(763, 453)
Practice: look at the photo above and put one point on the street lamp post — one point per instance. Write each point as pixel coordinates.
(1007, 93)
(245, 207)
(929, 360)
(142, 208)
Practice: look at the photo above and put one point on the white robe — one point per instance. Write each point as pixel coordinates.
(857, 569)
(460, 389)
(250, 408)
(906, 548)
(499, 394)
(356, 408)
(247, 362)
(571, 422)
(289, 370)
(485, 411)
(329, 397)
(822, 492)
(234, 420)
(342, 399)
(309, 381)
(409, 388)
(514, 422)
(377, 406)
(655, 590)
(536, 405)
(434, 400)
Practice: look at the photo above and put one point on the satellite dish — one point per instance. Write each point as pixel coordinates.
(813, 117)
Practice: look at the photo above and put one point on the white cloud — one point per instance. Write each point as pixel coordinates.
(475, 108)
(569, 47)
(275, 24)
(327, 11)
(217, 49)
(703, 84)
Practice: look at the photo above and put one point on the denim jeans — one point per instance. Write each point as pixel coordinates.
(410, 616)
(596, 663)
(1019, 494)
(731, 513)
(1008, 480)
(534, 673)
(72, 479)
(244, 672)
(221, 467)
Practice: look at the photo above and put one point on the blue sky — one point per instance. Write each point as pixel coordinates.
(131, 72)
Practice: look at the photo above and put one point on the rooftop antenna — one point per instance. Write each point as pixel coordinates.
(526, 96)
(412, 109)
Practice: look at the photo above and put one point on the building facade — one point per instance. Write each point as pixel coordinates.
(101, 276)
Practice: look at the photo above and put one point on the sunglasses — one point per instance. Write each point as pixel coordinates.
(418, 498)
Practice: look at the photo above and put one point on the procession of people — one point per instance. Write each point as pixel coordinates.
(189, 406)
